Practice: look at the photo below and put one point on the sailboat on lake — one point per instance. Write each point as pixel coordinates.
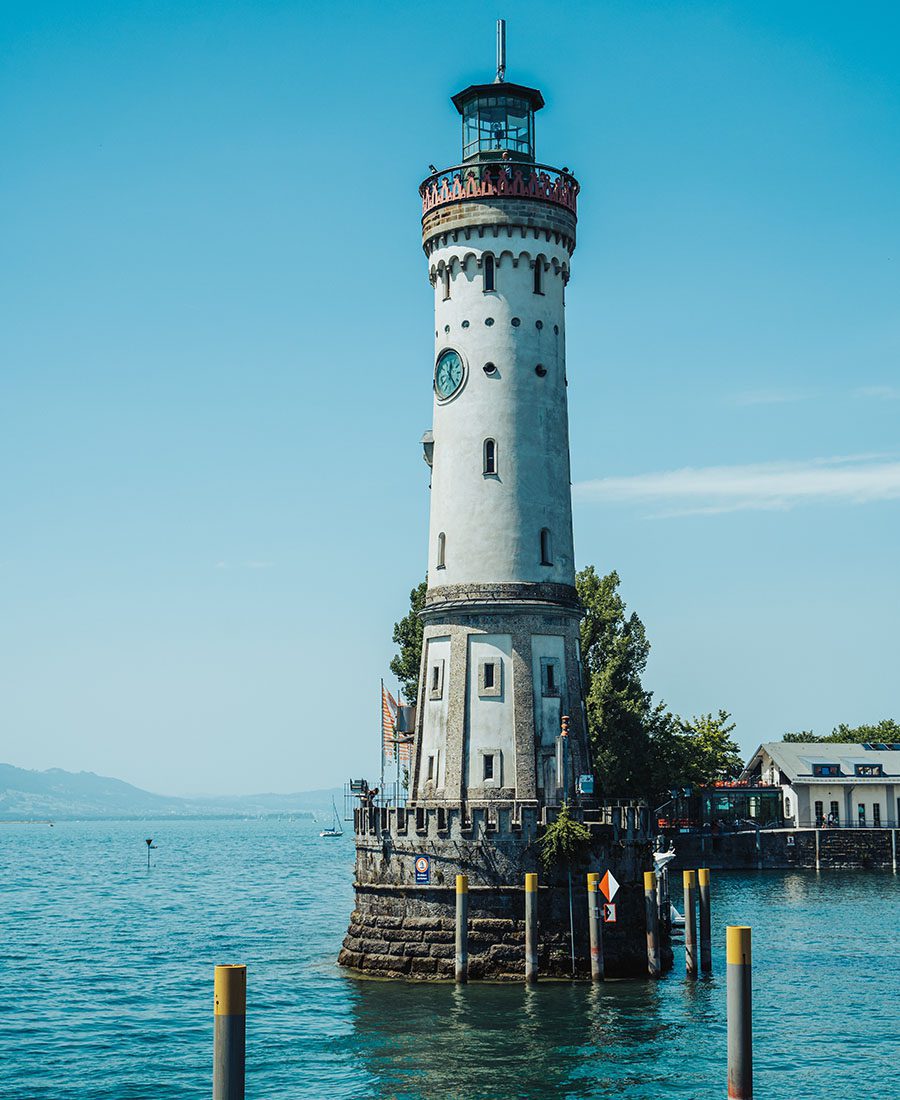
(335, 829)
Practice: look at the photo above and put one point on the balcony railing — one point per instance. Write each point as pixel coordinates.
(500, 180)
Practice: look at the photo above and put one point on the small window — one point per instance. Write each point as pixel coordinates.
(435, 678)
(876, 814)
(490, 678)
(861, 812)
(826, 769)
(430, 769)
(488, 767)
(445, 276)
(489, 368)
(489, 675)
(835, 813)
(820, 814)
(549, 677)
(490, 456)
(540, 370)
(546, 557)
(442, 551)
(488, 272)
(538, 277)
(869, 770)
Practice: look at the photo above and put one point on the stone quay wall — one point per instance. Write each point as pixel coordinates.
(789, 849)
(401, 929)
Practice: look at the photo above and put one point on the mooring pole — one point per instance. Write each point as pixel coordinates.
(740, 1025)
(462, 928)
(229, 1041)
(690, 923)
(531, 958)
(595, 927)
(651, 912)
(705, 921)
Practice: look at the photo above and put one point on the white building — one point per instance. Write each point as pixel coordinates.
(822, 781)
(501, 663)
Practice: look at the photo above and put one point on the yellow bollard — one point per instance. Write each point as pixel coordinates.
(690, 923)
(740, 1023)
(595, 927)
(531, 959)
(651, 912)
(462, 928)
(229, 1040)
(705, 921)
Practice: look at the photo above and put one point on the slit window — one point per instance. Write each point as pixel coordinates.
(488, 766)
(430, 769)
(488, 272)
(445, 278)
(442, 551)
(546, 556)
(551, 678)
(488, 675)
(876, 814)
(538, 277)
(490, 456)
(435, 678)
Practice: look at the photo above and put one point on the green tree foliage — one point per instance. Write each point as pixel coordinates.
(408, 636)
(640, 749)
(564, 840)
(887, 731)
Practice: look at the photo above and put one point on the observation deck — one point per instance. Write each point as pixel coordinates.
(499, 179)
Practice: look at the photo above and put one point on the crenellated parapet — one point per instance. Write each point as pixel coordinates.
(505, 179)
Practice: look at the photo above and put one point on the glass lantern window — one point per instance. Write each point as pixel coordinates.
(497, 123)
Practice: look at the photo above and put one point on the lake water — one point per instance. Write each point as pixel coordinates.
(106, 978)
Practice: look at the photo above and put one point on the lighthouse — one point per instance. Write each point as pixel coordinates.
(500, 736)
(500, 661)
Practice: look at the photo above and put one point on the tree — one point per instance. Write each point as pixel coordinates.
(564, 840)
(408, 635)
(887, 731)
(631, 738)
(712, 753)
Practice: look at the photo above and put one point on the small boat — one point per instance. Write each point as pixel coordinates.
(335, 828)
(676, 918)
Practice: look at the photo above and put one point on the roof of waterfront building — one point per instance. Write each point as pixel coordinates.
(797, 759)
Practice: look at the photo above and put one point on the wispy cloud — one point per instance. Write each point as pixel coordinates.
(767, 397)
(764, 486)
(880, 393)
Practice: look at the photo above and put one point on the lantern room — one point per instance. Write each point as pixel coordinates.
(498, 121)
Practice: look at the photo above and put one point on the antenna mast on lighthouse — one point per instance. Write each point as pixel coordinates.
(501, 51)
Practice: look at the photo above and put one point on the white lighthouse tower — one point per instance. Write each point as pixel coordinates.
(501, 661)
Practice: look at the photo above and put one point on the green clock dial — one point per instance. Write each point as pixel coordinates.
(448, 374)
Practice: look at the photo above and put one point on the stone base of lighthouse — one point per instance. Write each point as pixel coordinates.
(401, 929)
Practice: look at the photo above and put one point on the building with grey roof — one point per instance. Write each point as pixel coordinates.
(825, 782)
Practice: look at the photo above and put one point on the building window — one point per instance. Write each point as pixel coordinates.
(445, 277)
(538, 277)
(488, 765)
(876, 814)
(861, 812)
(436, 683)
(540, 370)
(549, 677)
(835, 814)
(490, 456)
(826, 769)
(546, 557)
(488, 272)
(490, 678)
(430, 777)
(442, 551)
(820, 814)
(489, 368)
(870, 770)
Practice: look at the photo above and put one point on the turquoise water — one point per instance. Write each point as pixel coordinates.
(106, 978)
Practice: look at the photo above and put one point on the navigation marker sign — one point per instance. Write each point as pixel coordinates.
(423, 871)
(609, 886)
(609, 914)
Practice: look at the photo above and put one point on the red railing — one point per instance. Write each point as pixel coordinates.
(512, 179)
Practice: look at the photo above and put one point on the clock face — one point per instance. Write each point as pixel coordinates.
(448, 374)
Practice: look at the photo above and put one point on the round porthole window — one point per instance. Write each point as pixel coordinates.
(538, 324)
(515, 322)
(465, 324)
(489, 321)
(540, 370)
(489, 368)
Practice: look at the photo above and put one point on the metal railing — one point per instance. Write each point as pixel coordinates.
(515, 179)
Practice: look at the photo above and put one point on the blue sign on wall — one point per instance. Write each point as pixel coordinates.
(423, 871)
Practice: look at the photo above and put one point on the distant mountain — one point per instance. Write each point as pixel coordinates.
(56, 794)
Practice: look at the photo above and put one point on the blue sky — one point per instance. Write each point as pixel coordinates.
(215, 362)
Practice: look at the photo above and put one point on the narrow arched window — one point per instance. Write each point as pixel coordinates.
(538, 277)
(442, 551)
(445, 276)
(489, 272)
(490, 456)
(546, 558)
